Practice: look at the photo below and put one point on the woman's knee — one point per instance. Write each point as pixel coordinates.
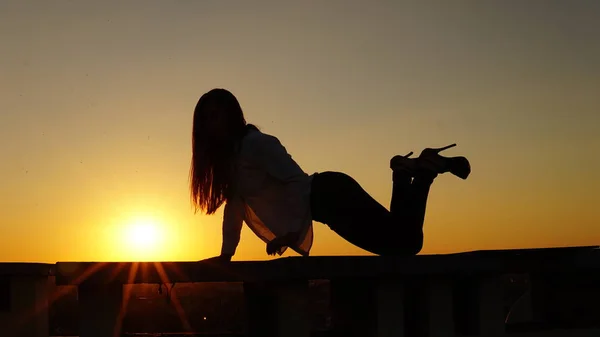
(415, 246)
(408, 245)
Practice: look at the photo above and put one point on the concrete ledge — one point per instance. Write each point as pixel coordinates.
(428, 295)
(551, 260)
(370, 295)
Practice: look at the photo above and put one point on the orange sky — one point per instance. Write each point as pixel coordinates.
(97, 102)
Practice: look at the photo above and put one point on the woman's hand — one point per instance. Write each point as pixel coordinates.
(218, 259)
(282, 241)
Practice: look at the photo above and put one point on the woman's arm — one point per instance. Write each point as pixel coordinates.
(233, 218)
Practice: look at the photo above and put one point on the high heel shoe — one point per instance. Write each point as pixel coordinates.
(431, 162)
(430, 159)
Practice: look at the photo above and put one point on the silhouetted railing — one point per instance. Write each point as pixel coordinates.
(428, 295)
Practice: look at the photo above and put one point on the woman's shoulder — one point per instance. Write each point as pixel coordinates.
(256, 138)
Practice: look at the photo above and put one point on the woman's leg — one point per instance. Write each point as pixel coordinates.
(340, 202)
(409, 198)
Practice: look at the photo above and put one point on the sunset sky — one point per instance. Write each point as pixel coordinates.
(97, 97)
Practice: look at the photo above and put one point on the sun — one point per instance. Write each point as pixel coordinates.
(142, 235)
(142, 238)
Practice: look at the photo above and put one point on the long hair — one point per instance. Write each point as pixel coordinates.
(214, 150)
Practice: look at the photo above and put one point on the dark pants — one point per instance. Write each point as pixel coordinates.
(339, 201)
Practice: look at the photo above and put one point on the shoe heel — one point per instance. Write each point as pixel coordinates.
(438, 150)
(402, 162)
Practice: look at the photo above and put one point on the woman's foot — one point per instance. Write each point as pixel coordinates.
(431, 163)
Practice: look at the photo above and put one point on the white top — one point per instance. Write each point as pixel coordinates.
(272, 195)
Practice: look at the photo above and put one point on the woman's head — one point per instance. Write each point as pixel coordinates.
(218, 126)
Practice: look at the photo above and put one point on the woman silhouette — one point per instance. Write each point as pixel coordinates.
(235, 164)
